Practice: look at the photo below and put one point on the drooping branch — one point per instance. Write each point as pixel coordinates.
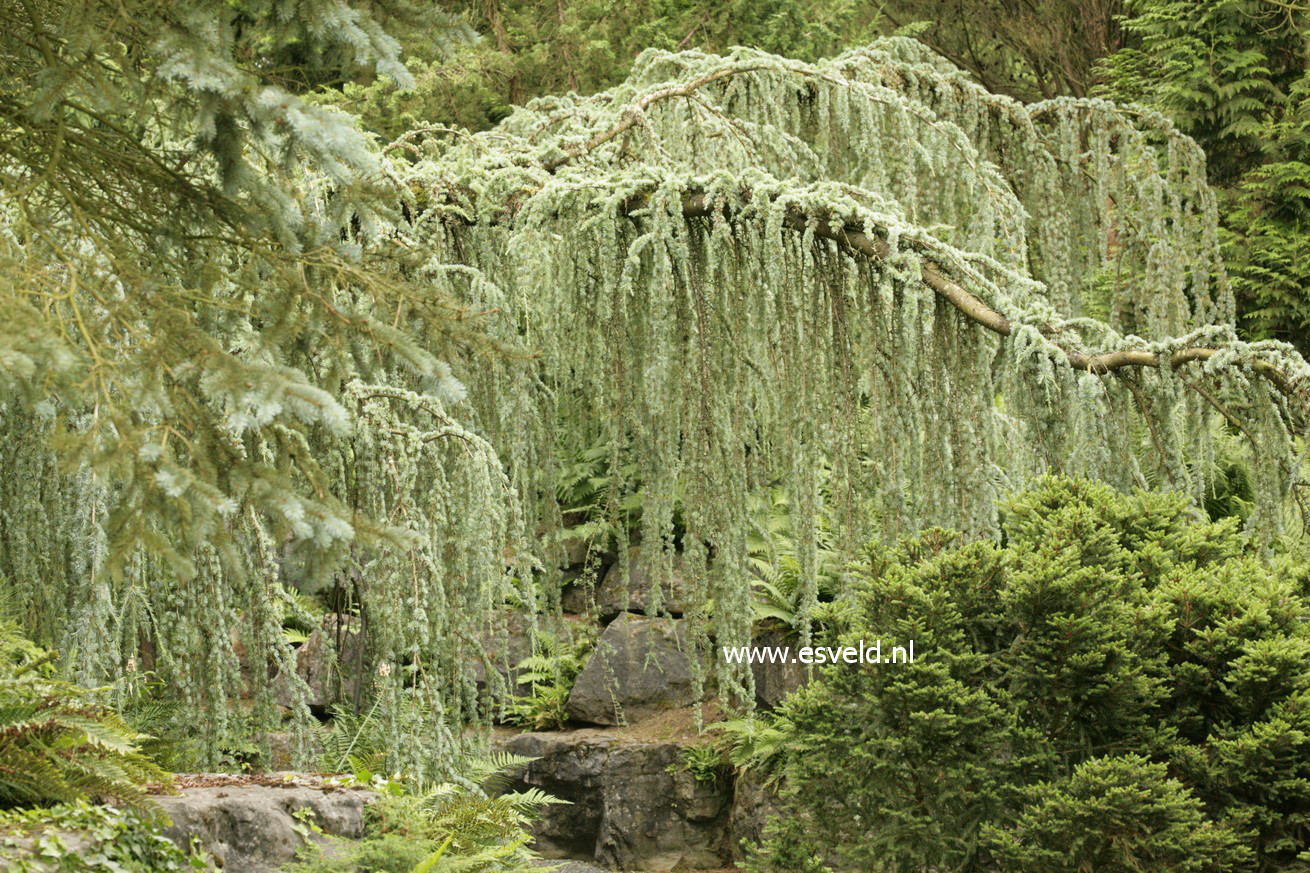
(632, 117)
(853, 239)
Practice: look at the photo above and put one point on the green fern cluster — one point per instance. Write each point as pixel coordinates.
(476, 824)
(548, 676)
(754, 744)
(1235, 75)
(56, 743)
(784, 591)
(352, 744)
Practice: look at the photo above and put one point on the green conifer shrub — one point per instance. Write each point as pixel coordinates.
(1121, 685)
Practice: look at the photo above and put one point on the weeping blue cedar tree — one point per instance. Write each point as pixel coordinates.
(241, 341)
(211, 361)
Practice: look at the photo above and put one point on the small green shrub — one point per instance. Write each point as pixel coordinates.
(1122, 685)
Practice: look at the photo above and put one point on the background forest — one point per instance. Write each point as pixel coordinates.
(367, 368)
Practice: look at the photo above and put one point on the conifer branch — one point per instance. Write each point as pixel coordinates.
(632, 117)
(855, 240)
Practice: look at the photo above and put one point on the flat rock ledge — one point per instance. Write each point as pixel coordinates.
(256, 828)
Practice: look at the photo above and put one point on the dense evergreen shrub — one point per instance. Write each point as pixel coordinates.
(1120, 685)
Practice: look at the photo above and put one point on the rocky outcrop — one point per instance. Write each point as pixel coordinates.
(612, 596)
(774, 681)
(753, 804)
(578, 597)
(639, 666)
(255, 828)
(633, 804)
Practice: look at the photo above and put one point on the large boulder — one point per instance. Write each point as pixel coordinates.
(612, 596)
(634, 805)
(639, 667)
(259, 828)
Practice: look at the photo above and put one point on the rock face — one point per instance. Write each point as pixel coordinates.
(320, 664)
(634, 805)
(775, 681)
(253, 828)
(579, 594)
(753, 804)
(610, 591)
(638, 667)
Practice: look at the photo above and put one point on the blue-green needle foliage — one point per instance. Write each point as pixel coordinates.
(246, 346)
(1235, 75)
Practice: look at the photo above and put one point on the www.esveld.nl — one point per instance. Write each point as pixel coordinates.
(862, 654)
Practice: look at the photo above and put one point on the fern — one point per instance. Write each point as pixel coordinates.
(57, 744)
(354, 743)
(779, 582)
(1235, 75)
(754, 744)
(549, 675)
(470, 825)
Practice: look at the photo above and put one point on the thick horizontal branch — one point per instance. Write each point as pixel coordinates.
(857, 241)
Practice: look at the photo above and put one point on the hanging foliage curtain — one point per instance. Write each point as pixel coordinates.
(866, 279)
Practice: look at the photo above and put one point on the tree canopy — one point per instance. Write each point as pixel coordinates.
(243, 344)
(1233, 75)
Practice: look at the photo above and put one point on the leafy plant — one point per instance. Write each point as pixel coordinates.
(472, 825)
(353, 743)
(79, 837)
(549, 676)
(705, 762)
(57, 744)
(778, 581)
(755, 744)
